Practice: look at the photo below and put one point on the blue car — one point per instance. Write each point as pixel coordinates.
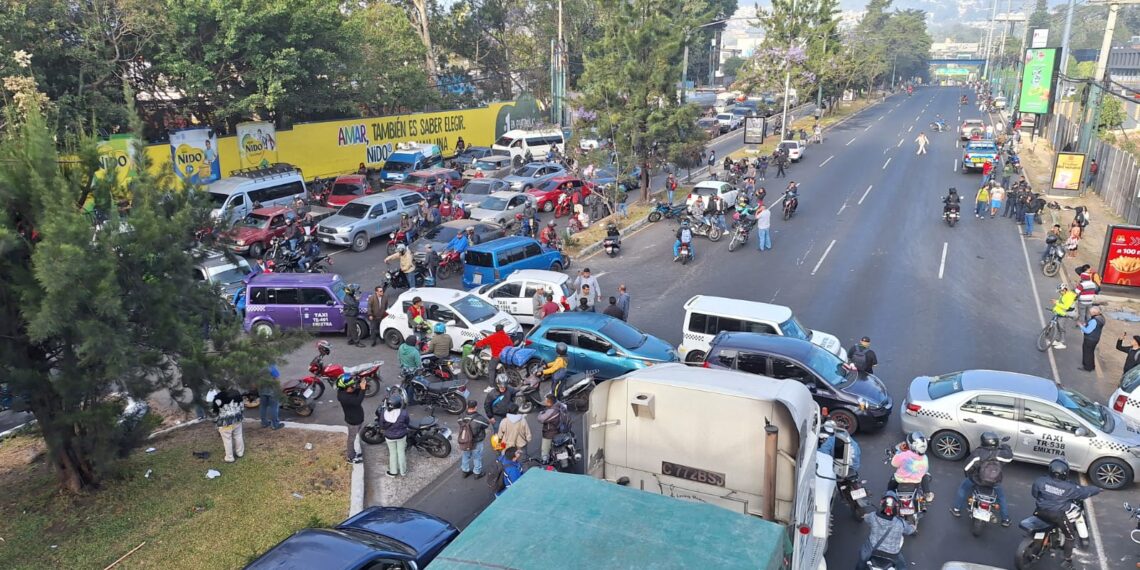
(377, 537)
(493, 261)
(598, 342)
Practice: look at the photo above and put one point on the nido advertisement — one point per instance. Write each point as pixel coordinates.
(257, 144)
(194, 153)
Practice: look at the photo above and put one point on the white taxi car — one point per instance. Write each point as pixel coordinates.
(514, 295)
(468, 317)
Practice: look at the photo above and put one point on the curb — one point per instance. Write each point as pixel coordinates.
(13, 431)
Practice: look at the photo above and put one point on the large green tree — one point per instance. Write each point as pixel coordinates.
(799, 36)
(95, 312)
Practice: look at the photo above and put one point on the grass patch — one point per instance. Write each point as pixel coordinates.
(186, 520)
(841, 112)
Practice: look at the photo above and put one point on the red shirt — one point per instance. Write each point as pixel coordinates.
(415, 311)
(987, 168)
(497, 342)
(550, 308)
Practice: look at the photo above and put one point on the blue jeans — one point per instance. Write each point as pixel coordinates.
(670, 195)
(981, 208)
(623, 209)
(967, 487)
(270, 409)
(1028, 223)
(763, 239)
(472, 460)
(718, 221)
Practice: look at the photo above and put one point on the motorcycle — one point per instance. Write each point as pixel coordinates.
(701, 227)
(938, 127)
(574, 392)
(964, 101)
(685, 253)
(442, 368)
(563, 207)
(853, 492)
(1013, 161)
(296, 392)
(396, 238)
(983, 508)
(740, 231)
(397, 279)
(912, 504)
(880, 562)
(663, 210)
(612, 245)
(369, 372)
(451, 395)
(791, 202)
(1134, 513)
(951, 214)
(450, 263)
(1043, 536)
(424, 434)
(1054, 253)
(564, 452)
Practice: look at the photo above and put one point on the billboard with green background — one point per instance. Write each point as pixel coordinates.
(1037, 78)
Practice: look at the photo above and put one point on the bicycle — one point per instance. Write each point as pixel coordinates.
(1054, 331)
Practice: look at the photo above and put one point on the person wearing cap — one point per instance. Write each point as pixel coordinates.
(1092, 328)
(863, 357)
(1132, 351)
(270, 403)
(407, 263)
(350, 394)
(471, 459)
(586, 278)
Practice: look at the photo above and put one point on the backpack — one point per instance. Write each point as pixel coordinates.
(496, 477)
(989, 472)
(466, 435)
(686, 236)
(859, 357)
(563, 418)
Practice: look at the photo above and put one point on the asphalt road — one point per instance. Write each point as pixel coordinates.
(867, 254)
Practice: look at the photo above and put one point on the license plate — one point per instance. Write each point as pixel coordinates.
(563, 456)
(977, 160)
(445, 432)
(309, 393)
(982, 514)
(858, 493)
(467, 393)
(1038, 535)
(478, 278)
(906, 511)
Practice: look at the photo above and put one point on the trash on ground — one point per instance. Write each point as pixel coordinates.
(212, 474)
(151, 449)
(298, 496)
(1128, 316)
(202, 454)
(148, 472)
(308, 447)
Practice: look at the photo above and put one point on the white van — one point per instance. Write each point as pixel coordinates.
(517, 142)
(245, 190)
(705, 316)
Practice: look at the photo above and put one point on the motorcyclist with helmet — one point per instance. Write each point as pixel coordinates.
(792, 196)
(350, 310)
(408, 226)
(940, 122)
(613, 236)
(310, 250)
(441, 343)
(557, 369)
(291, 233)
(887, 532)
(324, 348)
(1056, 495)
(549, 234)
(684, 236)
(394, 423)
(827, 438)
(951, 202)
(912, 465)
(460, 242)
(992, 452)
(407, 264)
(408, 356)
(498, 403)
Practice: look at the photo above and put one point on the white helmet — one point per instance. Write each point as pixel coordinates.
(401, 248)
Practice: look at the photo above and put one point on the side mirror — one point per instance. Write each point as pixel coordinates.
(1005, 439)
(451, 323)
(1081, 432)
(611, 352)
(330, 303)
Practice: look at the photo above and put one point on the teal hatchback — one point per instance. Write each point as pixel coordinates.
(598, 342)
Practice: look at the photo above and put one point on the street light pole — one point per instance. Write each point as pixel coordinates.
(685, 57)
(787, 83)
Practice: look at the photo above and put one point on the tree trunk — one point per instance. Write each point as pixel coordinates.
(645, 181)
(73, 468)
(425, 36)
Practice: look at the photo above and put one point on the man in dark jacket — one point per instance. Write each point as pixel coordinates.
(350, 394)
(1132, 350)
(991, 451)
(350, 311)
(471, 445)
(377, 310)
(613, 309)
(498, 403)
(1092, 329)
(551, 419)
(1055, 494)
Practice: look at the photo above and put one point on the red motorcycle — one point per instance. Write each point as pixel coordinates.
(396, 238)
(563, 207)
(369, 371)
(449, 264)
(297, 394)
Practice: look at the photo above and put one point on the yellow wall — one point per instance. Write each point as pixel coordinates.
(335, 147)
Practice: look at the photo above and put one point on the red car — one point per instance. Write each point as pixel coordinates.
(546, 196)
(252, 234)
(347, 188)
(421, 180)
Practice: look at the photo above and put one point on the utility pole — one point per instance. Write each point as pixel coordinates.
(787, 82)
(1106, 43)
(989, 42)
(685, 57)
(1064, 38)
(714, 56)
(819, 78)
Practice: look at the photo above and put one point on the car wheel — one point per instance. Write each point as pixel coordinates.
(255, 250)
(1110, 473)
(262, 329)
(361, 328)
(844, 420)
(360, 242)
(949, 445)
(547, 206)
(393, 339)
(695, 356)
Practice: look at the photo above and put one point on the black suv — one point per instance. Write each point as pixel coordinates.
(854, 401)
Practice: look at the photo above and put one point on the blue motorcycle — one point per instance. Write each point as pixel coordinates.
(661, 209)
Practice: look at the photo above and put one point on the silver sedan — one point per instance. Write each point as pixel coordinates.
(501, 207)
(1044, 422)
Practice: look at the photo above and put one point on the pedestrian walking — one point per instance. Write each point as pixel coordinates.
(1132, 351)
(763, 228)
(1033, 206)
(350, 310)
(227, 407)
(350, 394)
(431, 263)
(394, 425)
(781, 163)
(712, 161)
(1005, 177)
(1094, 168)
(670, 186)
(1087, 288)
(513, 430)
(922, 142)
(982, 201)
(1013, 196)
(715, 212)
(1092, 329)
(537, 301)
(377, 310)
(585, 277)
(269, 402)
(471, 438)
(762, 168)
(623, 302)
(997, 196)
(987, 171)
(551, 420)
(863, 357)
(613, 309)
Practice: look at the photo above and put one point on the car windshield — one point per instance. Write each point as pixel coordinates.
(623, 334)
(793, 328)
(253, 221)
(741, 111)
(397, 166)
(486, 164)
(983, 146)
(725, 116)
(1131, 380)
(549, 185)
(1087, 409)
(218, 199)
(527, 171)
(342, 189)
(706, 122)
(830, 367)
(442, 233)
(474, 309)
(227, 274)
(353, 210)
(789, 145)
(493, 203)
(704, 191)
(416, 180)
(505, 141)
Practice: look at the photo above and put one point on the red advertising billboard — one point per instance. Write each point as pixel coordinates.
(1120, 263)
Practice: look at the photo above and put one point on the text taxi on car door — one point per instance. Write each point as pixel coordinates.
(1044, 422)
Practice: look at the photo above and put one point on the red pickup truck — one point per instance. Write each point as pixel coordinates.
(253, 233)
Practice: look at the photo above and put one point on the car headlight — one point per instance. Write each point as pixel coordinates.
(241, 243)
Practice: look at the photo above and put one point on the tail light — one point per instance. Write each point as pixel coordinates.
(705, 364)
(913, 408)
(497, 275)
(985, 506)
(1118, 403)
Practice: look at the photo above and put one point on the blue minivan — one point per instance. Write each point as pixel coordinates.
(495, 260)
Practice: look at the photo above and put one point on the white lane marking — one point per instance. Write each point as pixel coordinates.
(956, 142)
(774, 296)
(910, 129)
(900, 143)
(850, 141)
(823, 257)
(1093, 528)
(826, 161)
(942, 265)
(868, 191)
(881, 118)
(867, 129)
(886, 163)
(955, 165)
(841, 208)
(918, 116)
